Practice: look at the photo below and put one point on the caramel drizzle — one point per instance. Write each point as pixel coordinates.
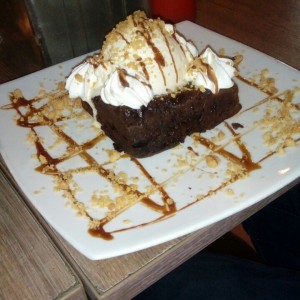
(175, 39)
(171, 53)
(212, 76)
(50, 166)
(158, 56)
(274, 152)
(145, 71)
(122, 36)
(245, 161)
(122, 78)
(170, 205)
(168, 208)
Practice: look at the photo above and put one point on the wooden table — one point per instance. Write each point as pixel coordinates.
(31, 266)
(271, 27)
(55, 267)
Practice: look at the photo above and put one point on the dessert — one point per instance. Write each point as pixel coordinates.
(149, 88)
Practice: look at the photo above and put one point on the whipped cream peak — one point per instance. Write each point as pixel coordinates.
(142, 58)
(86, 80)
(127, 89)
(212, 72)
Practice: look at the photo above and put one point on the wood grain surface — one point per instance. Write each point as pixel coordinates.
(272, 27)
(31, 267)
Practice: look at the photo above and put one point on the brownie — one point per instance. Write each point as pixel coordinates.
(166, 121)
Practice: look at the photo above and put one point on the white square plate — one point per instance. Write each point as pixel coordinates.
(202, 194)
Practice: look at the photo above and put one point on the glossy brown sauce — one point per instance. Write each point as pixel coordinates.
(236, 126)
(175, 38)
(245, 160)
(122, 78)
(169, 205)
(48, 165)
(144, 68)
(192, 150)
(158, 56)
(212, 76)
(122, 36)
(171, 54)
(99, 231)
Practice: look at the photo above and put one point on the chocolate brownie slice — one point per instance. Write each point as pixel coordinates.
(166, 121)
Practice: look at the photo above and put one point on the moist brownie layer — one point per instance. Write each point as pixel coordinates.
(166, 121)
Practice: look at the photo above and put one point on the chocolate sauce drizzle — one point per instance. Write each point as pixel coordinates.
(34, 118)
(171, 53)
(158, 56)
(122, 77)
(212, 76)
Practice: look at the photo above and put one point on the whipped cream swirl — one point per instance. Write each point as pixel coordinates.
(122, 88)
(143, 58)
(213, 72)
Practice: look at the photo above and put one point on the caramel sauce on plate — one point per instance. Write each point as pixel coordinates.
(35, 116)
